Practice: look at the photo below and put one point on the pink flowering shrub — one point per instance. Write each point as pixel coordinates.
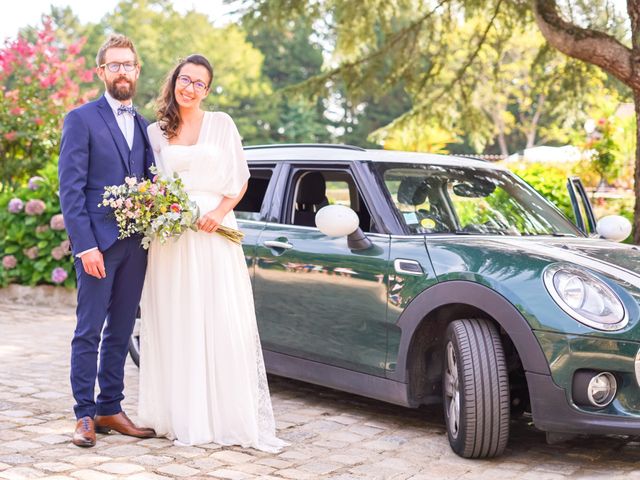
(35, 249)
(40, 80)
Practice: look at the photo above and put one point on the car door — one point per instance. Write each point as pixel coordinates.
(582, 209)
(252, 210)
(315, 297)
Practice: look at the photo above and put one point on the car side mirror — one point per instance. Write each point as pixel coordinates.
(614, 228)
(338, 221)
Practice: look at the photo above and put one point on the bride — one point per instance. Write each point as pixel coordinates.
(202, 375)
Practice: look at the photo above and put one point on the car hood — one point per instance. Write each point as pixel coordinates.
(514, 266)
(619, 261)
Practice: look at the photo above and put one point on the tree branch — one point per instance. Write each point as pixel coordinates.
(591, 46)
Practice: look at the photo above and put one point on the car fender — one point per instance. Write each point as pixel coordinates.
(475, 295)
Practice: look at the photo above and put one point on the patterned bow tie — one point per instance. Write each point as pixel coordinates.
(127, 109)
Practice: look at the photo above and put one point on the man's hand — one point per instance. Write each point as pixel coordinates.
(93, 264)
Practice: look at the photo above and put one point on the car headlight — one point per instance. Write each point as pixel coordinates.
(585, 297)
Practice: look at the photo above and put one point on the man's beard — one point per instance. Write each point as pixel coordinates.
(122, 93)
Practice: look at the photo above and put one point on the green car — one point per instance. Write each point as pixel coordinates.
(420, 279)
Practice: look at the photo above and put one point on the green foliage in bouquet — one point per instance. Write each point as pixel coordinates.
(34, 248)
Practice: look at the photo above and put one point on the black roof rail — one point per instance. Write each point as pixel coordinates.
(306, 145)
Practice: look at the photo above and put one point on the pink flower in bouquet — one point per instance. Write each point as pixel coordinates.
(128, 203)
(59, 275)
(118, 203)
(153, 190)
(131, 181)
(31, 253)
(9, 262)
(58, 253)
(35, 207)
(15, 205)
(57, 222)
(175, 208)
(42, 228)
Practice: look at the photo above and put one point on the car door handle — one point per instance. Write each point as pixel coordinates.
(277, 244)
(407, 267)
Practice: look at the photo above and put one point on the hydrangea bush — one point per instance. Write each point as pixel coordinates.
(34, 248)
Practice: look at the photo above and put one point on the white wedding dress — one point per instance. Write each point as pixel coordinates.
(202, 375)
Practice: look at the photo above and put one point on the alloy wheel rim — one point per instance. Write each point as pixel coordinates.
(452, 391)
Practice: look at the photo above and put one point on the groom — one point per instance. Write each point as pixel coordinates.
(102, 143)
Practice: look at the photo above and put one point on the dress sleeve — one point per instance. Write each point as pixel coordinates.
(237, 171)
(156, 139)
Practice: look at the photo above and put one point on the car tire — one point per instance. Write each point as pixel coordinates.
(134, 341)
(475, 389)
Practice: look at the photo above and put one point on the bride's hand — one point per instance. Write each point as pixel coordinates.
(210, 221)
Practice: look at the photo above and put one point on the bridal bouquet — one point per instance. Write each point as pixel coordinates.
(157, 208)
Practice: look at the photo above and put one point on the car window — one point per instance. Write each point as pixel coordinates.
(461, 199)
(310, 190)
(338, 193)
(251, 204)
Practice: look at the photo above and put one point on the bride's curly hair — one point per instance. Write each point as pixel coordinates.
(167, 112)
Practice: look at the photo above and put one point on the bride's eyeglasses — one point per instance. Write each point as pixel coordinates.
(198, 85)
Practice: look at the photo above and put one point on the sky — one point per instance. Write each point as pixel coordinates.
(19, 14)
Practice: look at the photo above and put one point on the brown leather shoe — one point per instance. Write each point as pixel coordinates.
(85, 434)
(121, 424)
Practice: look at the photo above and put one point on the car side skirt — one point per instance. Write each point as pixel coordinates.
(338, 378)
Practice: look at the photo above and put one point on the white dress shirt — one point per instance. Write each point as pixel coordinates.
(127, 127)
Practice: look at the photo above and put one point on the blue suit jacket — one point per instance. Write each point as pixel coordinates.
(93, 154)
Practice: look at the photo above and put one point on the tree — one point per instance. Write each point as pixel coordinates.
(445, 51)
(290, 57)
(595, 46)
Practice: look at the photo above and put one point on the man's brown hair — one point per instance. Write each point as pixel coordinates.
(115, 40)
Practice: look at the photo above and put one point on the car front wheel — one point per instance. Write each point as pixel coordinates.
(475, 386)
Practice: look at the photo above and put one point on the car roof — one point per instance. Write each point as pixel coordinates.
(331, 152)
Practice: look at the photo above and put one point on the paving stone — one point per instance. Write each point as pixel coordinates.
(19, 473)
(152, 460)
(296, 474)
(145, 476)
(274, 462)
(91, 475)
(230, 474)
(231, 457)
(54, 467)
(125, 451)
(20, 446)
(87, 460)
(120, 468)
(320, 468)
(177, 470)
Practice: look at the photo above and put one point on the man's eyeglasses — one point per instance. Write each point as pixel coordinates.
(114, 67)
(198, 85)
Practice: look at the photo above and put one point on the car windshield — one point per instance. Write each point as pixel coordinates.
(470, 200)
